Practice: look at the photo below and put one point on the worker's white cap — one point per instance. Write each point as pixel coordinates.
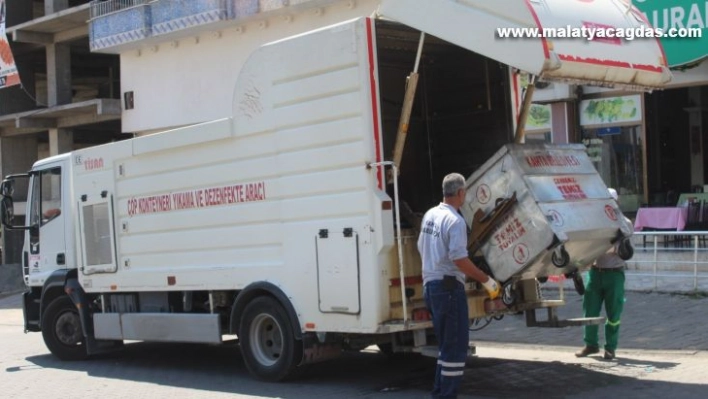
(613, 193)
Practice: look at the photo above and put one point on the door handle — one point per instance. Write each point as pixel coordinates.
(61, 259)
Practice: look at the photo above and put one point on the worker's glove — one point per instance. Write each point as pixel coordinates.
(493, 288)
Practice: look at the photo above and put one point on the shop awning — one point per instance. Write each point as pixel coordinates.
(478, 24)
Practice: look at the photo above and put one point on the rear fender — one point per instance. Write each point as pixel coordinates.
(259, 289)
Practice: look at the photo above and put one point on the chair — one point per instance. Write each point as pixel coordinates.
(704, 223)
(693, 222)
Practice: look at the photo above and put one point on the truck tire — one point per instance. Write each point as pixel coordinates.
(61, 330)
(268, 344)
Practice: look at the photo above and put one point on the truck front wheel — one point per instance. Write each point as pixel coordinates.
(61, 330)
(268, 344)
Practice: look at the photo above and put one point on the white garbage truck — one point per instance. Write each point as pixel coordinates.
(287, 224)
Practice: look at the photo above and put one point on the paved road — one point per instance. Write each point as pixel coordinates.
(662, 354)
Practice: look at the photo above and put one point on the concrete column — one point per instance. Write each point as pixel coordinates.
(58, 74)
(60, 141)
(52, 6)
(16, 156)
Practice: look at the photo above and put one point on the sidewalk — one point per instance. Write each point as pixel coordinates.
(663, 281)
(650, 321)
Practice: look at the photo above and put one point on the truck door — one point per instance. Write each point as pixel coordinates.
(47, 240)
(338, 271)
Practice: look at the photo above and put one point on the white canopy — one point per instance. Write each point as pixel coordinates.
(475, 24)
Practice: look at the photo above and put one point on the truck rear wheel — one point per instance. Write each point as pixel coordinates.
(61, 330)
(268, 343)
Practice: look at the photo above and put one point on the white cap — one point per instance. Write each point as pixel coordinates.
(613, 193)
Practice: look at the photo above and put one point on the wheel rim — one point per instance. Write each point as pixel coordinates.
(508, 295)
(266, 337)
(68, 329)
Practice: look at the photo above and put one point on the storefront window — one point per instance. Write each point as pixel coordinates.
(617, 155)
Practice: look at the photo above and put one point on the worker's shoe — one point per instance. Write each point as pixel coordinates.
(588, 350)
(609, 355)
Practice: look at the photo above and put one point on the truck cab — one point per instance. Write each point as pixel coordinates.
(48, 249)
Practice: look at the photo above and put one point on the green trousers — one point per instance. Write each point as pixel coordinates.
(607, 287)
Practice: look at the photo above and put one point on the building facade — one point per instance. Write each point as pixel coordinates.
(64, 96)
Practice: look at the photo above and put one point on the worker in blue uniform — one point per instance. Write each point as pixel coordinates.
(443, 247)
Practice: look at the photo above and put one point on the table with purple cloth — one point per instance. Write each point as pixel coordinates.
(669, 218)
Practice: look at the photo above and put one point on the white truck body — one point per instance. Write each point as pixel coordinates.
(223, 204)
(276, 219)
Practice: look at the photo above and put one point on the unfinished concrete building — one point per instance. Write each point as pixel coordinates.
(67, 98)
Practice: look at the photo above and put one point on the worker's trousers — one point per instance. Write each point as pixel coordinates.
(608, 287)
(451, 324)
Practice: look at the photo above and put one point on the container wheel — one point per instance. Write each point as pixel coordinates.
(560, 257)
(61, 330)
(508, 294)
(268, 344)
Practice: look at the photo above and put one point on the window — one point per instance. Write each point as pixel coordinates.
(97, 234)
(616, 153)
(51, 195)
(45, 203)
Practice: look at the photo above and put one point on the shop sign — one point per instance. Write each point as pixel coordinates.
(611, 110)
(539, 118)
(608, 131)
(8, 70)
(679, 14)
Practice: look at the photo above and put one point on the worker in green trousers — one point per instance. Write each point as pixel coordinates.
(606, 284)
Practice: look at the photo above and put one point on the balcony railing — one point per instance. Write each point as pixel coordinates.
(104, 7)
(170, 16)
(117, 22)
(121, 24)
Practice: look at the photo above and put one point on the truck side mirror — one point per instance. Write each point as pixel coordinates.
(7, 188)
(7, 210)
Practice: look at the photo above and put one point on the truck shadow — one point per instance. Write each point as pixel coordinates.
(371, 374)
